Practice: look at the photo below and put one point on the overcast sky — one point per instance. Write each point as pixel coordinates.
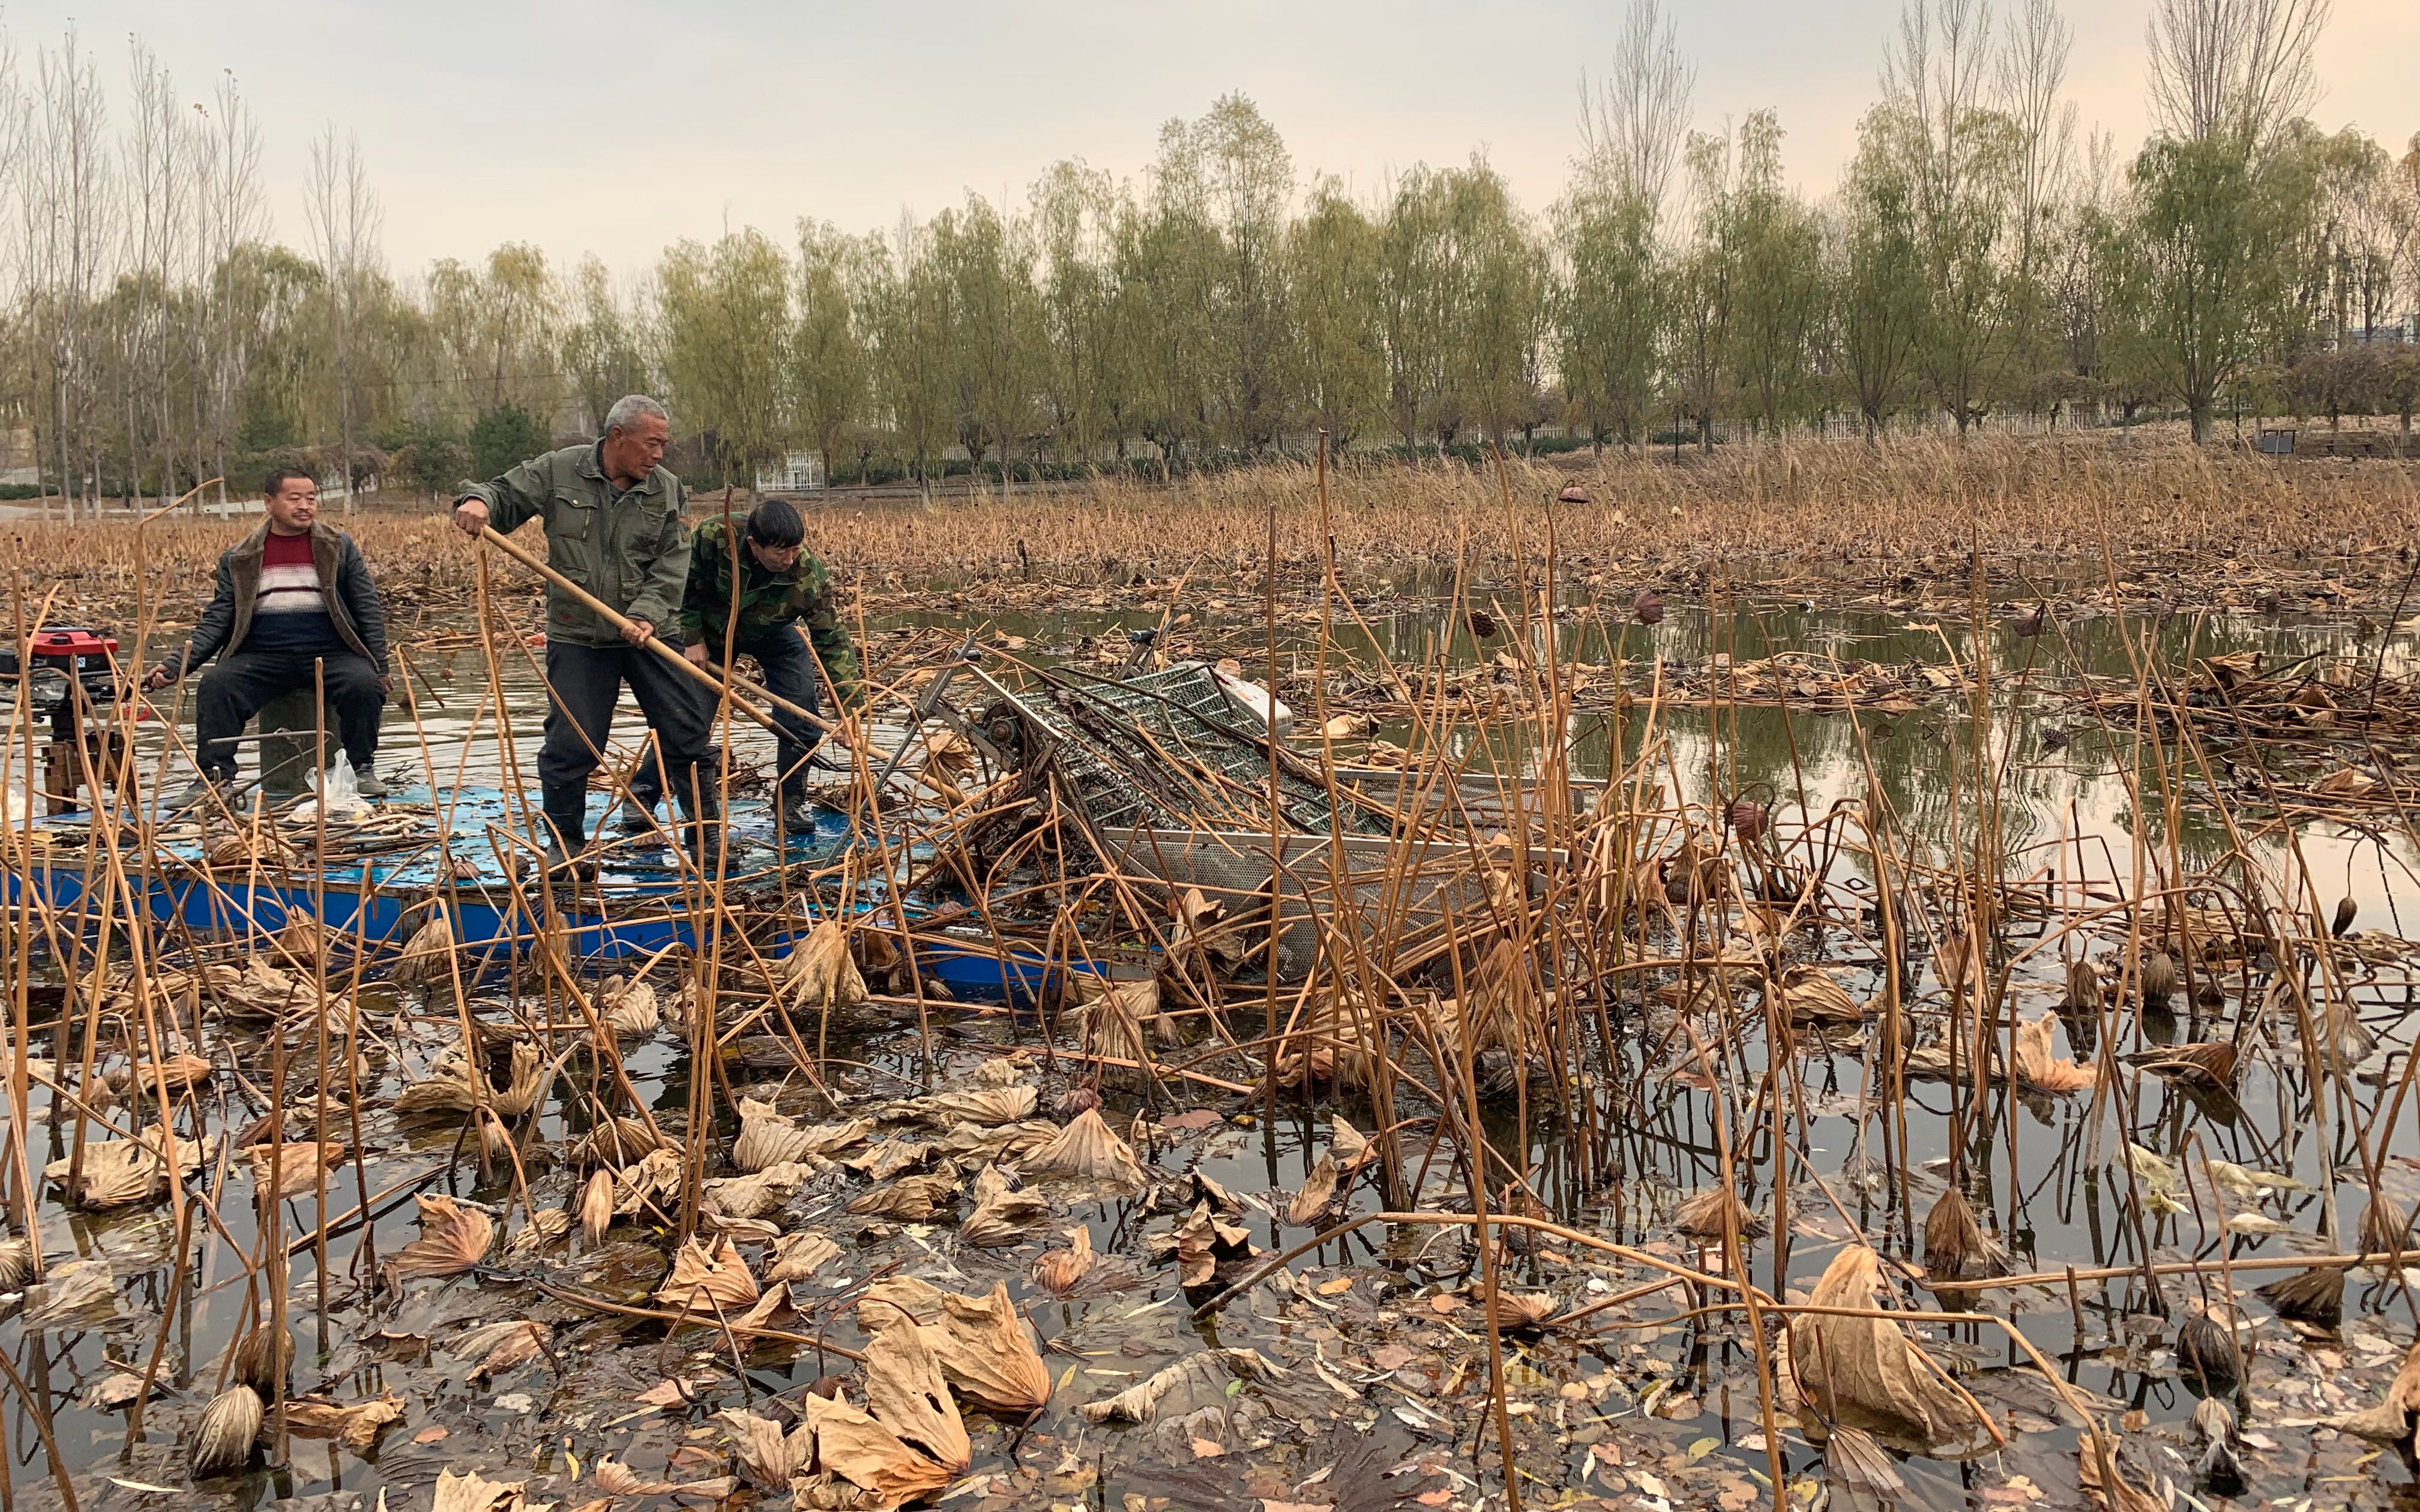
(615, 127)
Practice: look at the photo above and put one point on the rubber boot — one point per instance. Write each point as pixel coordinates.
(797, 811)
(702, 807)
(633, 818)
(566, 850)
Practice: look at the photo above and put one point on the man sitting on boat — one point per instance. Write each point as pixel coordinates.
(612, 513)
(781, 585)
(291, 593)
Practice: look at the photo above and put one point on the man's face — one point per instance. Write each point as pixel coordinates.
(294, 506)
(778, 558)
(633, 451)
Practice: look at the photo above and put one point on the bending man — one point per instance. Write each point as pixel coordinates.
(780, 584)
(612, 526)
(292, 592)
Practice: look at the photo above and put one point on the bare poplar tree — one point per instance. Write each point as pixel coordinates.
(230, 217)
(344, 217)
(2243, 66)
(157, 185)
(14, 288)
(2032, 70)
(64, 207)
(1631, 124)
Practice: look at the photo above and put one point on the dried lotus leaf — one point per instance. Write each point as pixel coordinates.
(986, 1105)
(631, 1011)
(910, 1198)
(1089, 1150)
(2038, 1068)
(1866, 1373)
(770, 1457)
(767, 1137)
(749, 1197)
(707, 1283)
(820, 972)
(452, 1239)
(118, 1173)
(1002, 1214)
(853, 1446)
(427, 959)
(906, 1390)
(1318, 1195)
(798, 1256)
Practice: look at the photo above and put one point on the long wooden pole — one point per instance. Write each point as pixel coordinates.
(488, 536)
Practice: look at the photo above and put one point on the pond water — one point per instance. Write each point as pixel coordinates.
(1386, 1373)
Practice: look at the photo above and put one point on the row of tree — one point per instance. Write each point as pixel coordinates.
(1979, 258)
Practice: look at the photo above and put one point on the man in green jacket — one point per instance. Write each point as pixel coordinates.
(612, 513)
(780, 586)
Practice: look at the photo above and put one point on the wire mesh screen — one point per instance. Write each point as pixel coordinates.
(1170, 750)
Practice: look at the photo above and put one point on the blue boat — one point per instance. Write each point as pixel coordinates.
(638, 906)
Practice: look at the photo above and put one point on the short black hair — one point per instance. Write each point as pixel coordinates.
(276, 483)
(775, 523)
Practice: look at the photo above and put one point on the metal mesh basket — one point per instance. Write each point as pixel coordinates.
(1170, 750)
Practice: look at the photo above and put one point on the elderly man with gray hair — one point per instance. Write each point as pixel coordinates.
(612, 513)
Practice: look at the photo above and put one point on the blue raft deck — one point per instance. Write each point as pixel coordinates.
(635, 906)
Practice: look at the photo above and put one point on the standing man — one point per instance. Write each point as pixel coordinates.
(781, 583)
(292, 592)
(612, 526)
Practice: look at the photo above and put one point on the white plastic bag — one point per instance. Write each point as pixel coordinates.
(340, 790)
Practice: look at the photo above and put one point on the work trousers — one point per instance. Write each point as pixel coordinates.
(788, 671)
(587, 682)
(241, 682)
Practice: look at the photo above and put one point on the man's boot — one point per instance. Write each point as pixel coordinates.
(566, 846)
(366, 783)
(702, 807)
(797, 811)
(634, 817)
(199, 792)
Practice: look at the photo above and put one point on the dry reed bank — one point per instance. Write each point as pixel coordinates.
(2181, 520)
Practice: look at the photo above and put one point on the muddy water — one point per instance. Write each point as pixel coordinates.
(1379, 1400)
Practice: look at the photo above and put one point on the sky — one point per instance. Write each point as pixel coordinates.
(615, 128)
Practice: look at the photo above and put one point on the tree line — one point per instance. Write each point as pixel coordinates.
(1979, 258)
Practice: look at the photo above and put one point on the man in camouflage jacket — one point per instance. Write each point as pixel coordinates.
(781, 587)
(612, 526)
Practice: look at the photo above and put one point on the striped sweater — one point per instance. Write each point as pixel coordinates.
(290, 613)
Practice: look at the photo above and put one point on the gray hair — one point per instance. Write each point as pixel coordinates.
(627, 410)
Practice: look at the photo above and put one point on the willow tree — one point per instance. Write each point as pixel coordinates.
(725, 313)
(2224, 189)
(604, 351)
(828, 364)
(1495, 295)
(1774, 248)
(1166, 260)
(1340, 369)
(1414, 299)
(1245, 192)
(989, 265)
(1965, 160)
(1612, 310)
(498, 322)
(1877, 268)
(906, 304)
(1075, 210)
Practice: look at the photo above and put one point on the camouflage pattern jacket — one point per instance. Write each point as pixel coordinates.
(769, 602)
